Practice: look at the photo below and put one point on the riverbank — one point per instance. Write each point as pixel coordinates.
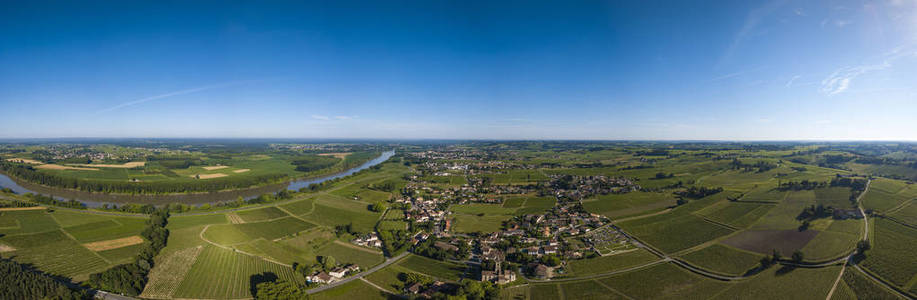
(196, 198)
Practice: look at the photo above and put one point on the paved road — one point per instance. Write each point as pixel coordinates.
(360, 275)
(109, 296)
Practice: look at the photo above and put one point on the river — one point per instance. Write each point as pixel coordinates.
(97, 199)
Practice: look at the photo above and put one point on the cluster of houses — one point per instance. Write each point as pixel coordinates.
(535, 235)
(334, 275)
(368, 240)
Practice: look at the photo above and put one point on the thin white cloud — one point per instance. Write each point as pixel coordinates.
(840, 80)
(345, 117)
(173, 94)
(790, 82)
(321, 117)
(748, 27)
(842, 23)
(800, 12)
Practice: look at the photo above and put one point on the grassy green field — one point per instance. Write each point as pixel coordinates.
(387, 277)
(349, 254)
(352, 290)
(892, 254)
(179, 222)
(836, 240)
(604, 264)
(299, 208)
(480, 217)
(589, 289)
(675, 233)
(432, 267)
(39, 238)
(55, 253)
(620, 205)
(864, 288)
(777, 282)
(723, 259)
(261, 214)
(106, 230)
(663, 281)
(360, 218)
(228, 234)
(737, 214)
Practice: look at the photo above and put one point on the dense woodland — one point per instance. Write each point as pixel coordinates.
(18, 281)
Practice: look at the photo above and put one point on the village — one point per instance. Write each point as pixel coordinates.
(535, 245)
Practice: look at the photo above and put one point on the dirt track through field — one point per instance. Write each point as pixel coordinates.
(22, 208)
(128, 165)
(211, 168)
(5, 248)
(114, 244)
(59, 167)
(208, 176)
(241, 170)
(340, 155)
(25, 161)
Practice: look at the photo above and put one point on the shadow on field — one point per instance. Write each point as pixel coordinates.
(254, 280)
(785, 269)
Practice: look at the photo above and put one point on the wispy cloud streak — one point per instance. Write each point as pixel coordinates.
(840, 80)
(173, 94)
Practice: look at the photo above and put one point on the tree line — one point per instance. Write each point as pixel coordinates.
(129, 279)
(30, 174)
(18, 281)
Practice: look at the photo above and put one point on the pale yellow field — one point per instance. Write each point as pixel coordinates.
(114, 244)
(241, 171)
(209, 176)
(59, 167)
(211, 168)
(5, 248)
(340, 155)
(25, 160)
(129, 165)
(22, 208)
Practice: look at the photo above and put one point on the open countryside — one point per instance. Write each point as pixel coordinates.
(458, 150)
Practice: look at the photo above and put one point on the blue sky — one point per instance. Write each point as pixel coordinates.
(732, 70)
